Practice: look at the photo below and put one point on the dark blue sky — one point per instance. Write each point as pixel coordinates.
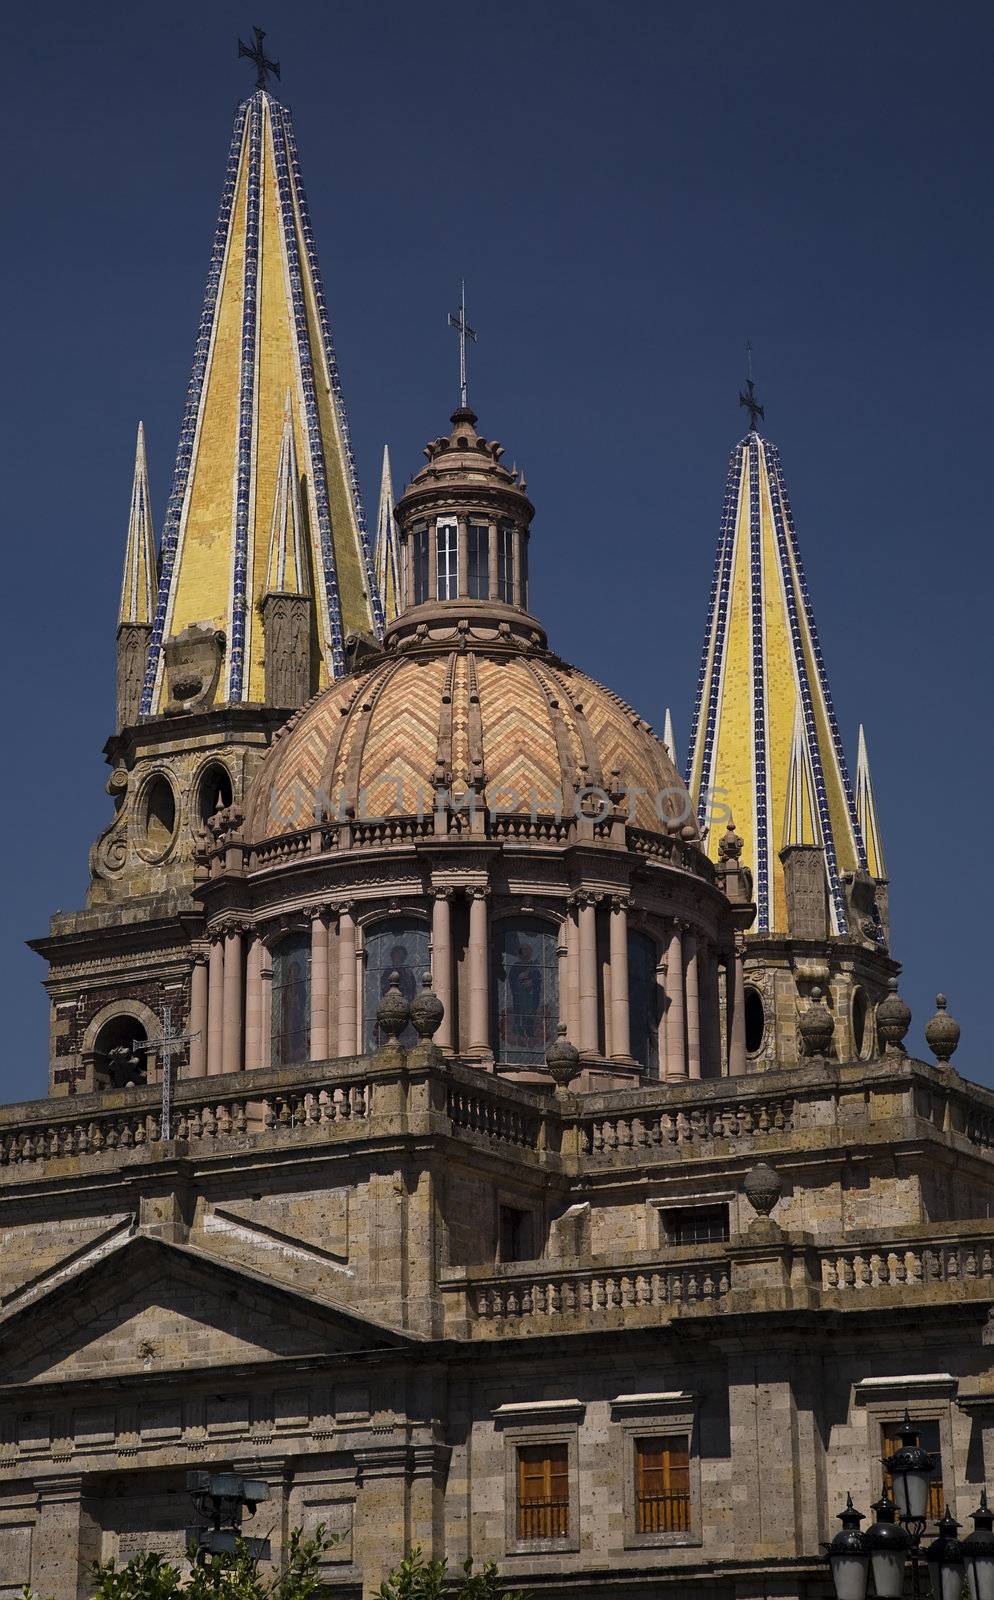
(631, 190)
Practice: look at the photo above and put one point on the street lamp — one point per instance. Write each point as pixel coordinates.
(848, 1556)
(888, 1543)
(911, 1470)
(944, 1557)
(978, 1553)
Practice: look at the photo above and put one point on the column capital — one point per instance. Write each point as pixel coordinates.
(480, 891)
(441, 891)
(621, 902)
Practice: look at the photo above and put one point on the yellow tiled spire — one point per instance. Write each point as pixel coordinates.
(385, 562)
(138, 589)
(263, 331)
(766, 743)
(286, 570)
(866, 811)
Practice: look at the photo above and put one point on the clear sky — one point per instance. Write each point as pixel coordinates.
(632, 190)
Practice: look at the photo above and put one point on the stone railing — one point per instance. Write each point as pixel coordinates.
(690, 1124)
(236, 1106)
(534, 1298)
(493, 1110)
(910, 1266)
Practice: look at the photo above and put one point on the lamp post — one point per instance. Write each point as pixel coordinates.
(882, 1553)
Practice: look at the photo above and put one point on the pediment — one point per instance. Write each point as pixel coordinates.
(151, 1307)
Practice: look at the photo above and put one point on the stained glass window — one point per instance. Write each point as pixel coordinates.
(399, 945)
(643, 1001)
(526, 991)
(292, 999)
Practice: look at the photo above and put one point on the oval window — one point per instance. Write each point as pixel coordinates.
(755, 1021)
(159, 816)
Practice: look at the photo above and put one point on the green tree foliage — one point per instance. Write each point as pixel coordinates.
(418, 1579)
(237, 1577)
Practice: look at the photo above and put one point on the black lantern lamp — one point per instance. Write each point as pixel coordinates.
(978, 1553)
(945, 1561)
(911, 1469)
(888, 1544)
(848, 1556)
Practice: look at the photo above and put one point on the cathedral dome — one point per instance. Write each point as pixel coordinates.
(524, 731)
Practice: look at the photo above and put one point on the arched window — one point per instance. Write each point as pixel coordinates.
(292, 1000)
(643, 1001)
(755, 1020)
(525, 991)
(214, 791)
(400, 944)
(119, 1061)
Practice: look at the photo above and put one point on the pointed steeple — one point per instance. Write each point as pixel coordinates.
(263, 330)
(137, 608)
(866, 812)
(801, 824)
(286, 570)
(385, 562)
(765, 740)
(668, 737)
(138, 589)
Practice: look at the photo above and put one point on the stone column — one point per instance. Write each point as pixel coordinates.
(492, 561)
(621, 1049)
(516, 565)
(707, 965)
(215, 1005)
(692, 996)
(232, 1025)
(264, 1007)
(441, 963)
(66, 1539)
(736, 1023)
(347, 996)
(479, 973)
(198, 1016)
(253, 1004)
(571, 1015)
(462, 574)
(676, 1045)
(319, 987)
(588, 976)
(432, 560)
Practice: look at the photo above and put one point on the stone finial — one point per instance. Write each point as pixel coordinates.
(893, 1021)
(942, 1032)
(763, 1187)
(816, 1027)
(426, 1010)
(393, 1012)
(730, 844)
(562, 1059)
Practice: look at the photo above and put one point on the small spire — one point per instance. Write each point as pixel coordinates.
(866, 812)
(138, 589)
(668, 738)
(801, 824)
(286, 571)
(750, 398)
(257, 54)
(385, 558)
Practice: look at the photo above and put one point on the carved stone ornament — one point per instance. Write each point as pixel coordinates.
(393, 1012)
(562, 1059)
(286, 621)
(427, 1010)
(942, 1032)
(893, 1021)
(816, 1026)
(730, 844)
(763, 1187)
(193, 667)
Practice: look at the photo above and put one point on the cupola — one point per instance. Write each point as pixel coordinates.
(463, 530)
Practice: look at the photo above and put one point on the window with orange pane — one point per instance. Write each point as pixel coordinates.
(662, 1485)
(543, 1491)
(928, 1438)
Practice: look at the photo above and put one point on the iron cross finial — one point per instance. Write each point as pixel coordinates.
(750, 399)
(457, 320)
(256, 53)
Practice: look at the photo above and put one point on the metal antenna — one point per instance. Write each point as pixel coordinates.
(170, 1045)
(457, 320)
